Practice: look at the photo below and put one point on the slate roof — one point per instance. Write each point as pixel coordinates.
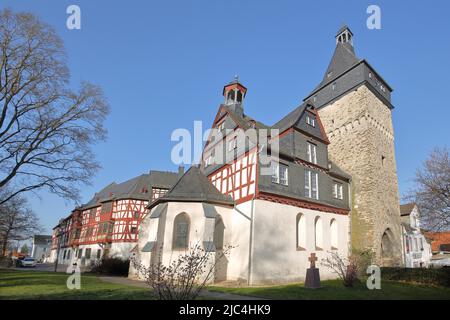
(343, 59)
(42, 239)
(290, 119)
(132, 189)
(405, 209)
(194, 186)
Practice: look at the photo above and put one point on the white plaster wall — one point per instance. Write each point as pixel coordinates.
(275, 258)
(240, 239)
(38, 252)
(83, 262)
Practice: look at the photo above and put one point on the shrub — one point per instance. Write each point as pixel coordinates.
(111, 266)
(363, 259)
(345, 268)
(437, 277)
(185, 276)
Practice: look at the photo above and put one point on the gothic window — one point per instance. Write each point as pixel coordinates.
(312, 153)
(99, 253)
(181, 231)
(219, 230)
(334, 234)
(301, 232)
(407, 244)
(80, 253)
(318, 233)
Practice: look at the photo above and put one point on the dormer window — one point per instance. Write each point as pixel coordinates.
(310, 120)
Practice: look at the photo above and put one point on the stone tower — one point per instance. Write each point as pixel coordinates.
(354, 103)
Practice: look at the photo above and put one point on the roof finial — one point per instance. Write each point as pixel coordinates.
(236, 78)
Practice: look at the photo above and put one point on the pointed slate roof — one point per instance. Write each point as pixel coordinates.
(343, 59)
(194, 186)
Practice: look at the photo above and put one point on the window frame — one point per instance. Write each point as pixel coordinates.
(309, 187)
(338, 190)
(276, 173)
(310, 120)
(312, 152)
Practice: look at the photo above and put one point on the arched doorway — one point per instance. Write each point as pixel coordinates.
(220, 272)
(387, 248)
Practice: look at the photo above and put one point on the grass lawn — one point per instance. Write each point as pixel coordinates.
(333, 289)
(49, 285)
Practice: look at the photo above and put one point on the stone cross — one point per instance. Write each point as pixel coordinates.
(312, 260)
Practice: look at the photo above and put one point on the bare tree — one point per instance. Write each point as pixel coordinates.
(46, 129)
(17, 222)
(432, 190)
(184, 277)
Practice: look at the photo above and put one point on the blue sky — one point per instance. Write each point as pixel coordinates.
(163, 64)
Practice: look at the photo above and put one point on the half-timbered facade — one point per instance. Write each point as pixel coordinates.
(108, 224)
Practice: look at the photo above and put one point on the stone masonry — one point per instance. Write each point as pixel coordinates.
(360, 129)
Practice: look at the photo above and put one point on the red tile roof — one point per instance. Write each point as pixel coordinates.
(438, 238)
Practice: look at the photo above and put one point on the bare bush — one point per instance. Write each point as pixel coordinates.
(185, 276)
(345, 268)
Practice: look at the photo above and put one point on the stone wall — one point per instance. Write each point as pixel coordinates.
(360, 129)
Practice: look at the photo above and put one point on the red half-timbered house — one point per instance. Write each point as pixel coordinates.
(109, 222)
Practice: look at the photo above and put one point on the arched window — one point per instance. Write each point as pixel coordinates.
(334, 234)
(219, 233)
(318, 233)
(301, 232)
(181, 231)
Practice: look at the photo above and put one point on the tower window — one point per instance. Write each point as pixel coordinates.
(383, 160)
(333, 87)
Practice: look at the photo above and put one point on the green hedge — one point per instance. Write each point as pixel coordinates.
(112, 266)
(438, 277)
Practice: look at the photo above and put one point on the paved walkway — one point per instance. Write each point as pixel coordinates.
(204, 293)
